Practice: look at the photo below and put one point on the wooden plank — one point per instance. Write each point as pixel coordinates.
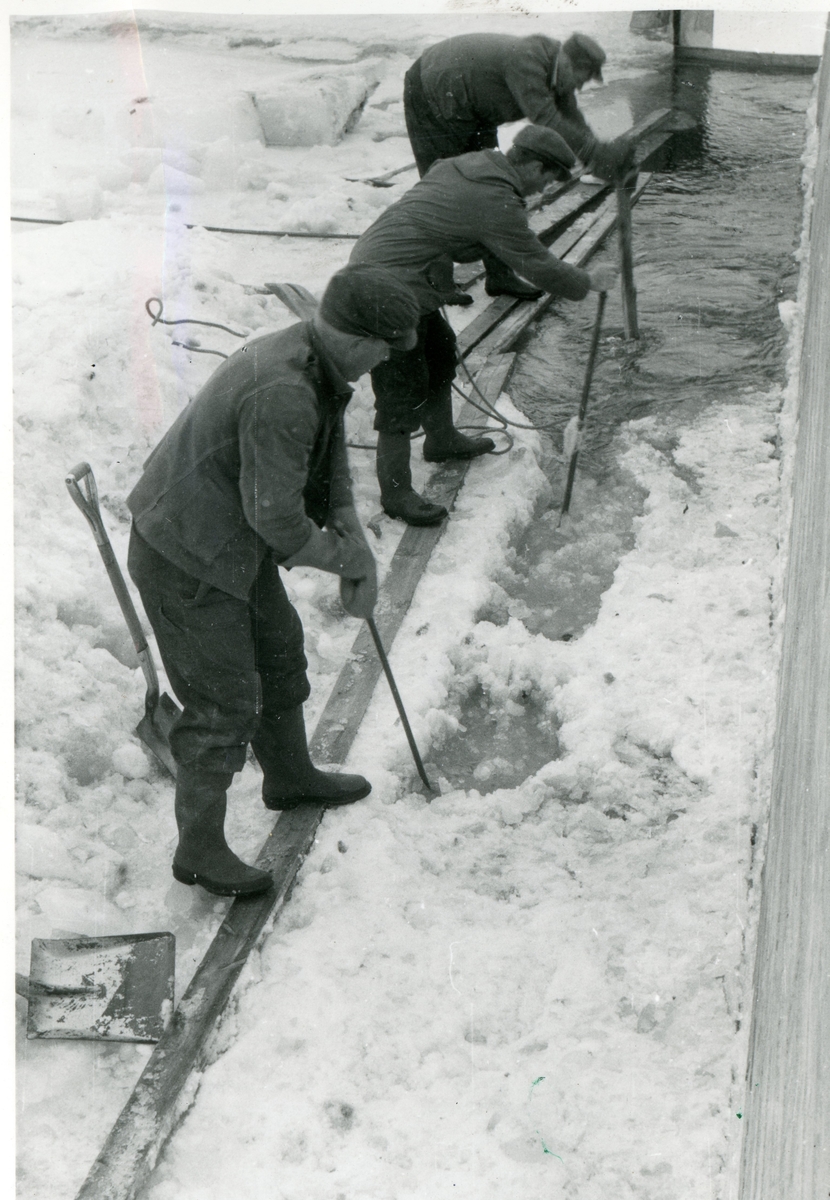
(548, 221)
(786, 1109)
(748, 60)
(150, 1114)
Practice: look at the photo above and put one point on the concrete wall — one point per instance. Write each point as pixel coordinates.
(786, 1116)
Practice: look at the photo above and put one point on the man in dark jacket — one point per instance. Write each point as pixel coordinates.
(463, 207)
(460, 90)
(250, 477)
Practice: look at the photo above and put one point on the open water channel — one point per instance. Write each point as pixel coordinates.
(714, 241)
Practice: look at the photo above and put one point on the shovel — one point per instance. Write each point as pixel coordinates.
(113, 989)
(160, 711)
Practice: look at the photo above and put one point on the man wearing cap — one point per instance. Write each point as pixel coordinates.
(460, 90)
(463, 208)
(252, 476)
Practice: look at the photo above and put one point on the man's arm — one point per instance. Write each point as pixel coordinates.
(275, 442)
(276, 435)
(529, 76)
(340, 495)
(501, 225)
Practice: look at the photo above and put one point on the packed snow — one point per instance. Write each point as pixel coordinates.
(535, 989)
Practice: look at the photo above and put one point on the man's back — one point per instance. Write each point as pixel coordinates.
(490, 78)
(462, 205)
(231, 469)
(446, 214)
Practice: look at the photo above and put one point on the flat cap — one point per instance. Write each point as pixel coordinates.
(584, 50)
(370, 302)
(545, 145)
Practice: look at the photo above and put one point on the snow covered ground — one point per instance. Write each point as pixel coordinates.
(536, 991)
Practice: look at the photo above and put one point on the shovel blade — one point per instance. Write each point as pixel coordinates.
(154, 730)
(131, 982)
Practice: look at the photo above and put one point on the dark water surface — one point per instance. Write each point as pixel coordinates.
(714, 240)
(714, 236)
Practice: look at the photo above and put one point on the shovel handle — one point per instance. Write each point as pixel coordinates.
(82, 488)
(33, 987)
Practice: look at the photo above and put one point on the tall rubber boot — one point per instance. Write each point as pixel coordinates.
(443, 441)
(202, 855)
(395, 478)
(290, 777)
(501, 280)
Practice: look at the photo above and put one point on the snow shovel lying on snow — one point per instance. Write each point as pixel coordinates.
(160, 711)
(114, 989)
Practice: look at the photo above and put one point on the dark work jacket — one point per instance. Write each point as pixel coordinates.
(462, 206)
(255, 457)
(483, 80)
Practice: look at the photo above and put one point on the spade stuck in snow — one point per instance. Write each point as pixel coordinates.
(160, 711)
(113, 989)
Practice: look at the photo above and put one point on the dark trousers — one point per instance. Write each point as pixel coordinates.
(432, 138)
(430, 135)
(412, 380)
(231, 662)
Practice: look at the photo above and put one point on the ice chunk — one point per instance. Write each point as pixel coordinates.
(42, 854)
(80, 911)
(317, 110)
(130, 761)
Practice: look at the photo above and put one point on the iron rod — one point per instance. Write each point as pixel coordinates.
(387, 670)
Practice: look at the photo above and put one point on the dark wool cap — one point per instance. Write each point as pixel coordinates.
(545, 145)
(583, 49)
(368, 301)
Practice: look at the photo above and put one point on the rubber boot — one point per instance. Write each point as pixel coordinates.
(395, 478)
(290, 777)
(202, 855)
(443, 441)
(501, 280)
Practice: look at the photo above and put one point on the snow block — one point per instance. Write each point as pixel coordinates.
(313, 111)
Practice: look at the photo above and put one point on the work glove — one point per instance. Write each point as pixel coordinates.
(358, 596)
(341, 549)
(613, 160)
(603, 279)
(340, 553)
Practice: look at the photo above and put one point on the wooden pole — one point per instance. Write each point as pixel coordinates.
(629, 292)
(786, 1111)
